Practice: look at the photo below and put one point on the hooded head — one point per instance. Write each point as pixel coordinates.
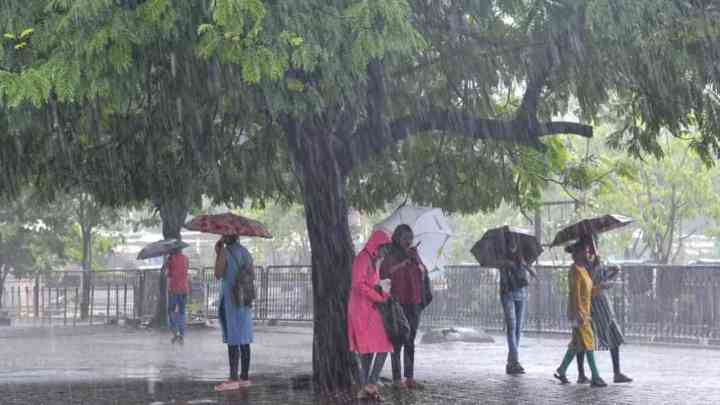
(377, 239)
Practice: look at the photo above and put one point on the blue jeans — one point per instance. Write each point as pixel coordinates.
(514, 304)
(176, 312)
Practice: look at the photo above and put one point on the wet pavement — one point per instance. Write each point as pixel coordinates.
(114, 365)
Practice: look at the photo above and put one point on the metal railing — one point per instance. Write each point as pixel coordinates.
(56, 297)
(652, 303)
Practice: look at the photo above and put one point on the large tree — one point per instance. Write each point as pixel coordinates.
(360, 78)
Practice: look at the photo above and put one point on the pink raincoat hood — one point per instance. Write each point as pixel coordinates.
(377, 239)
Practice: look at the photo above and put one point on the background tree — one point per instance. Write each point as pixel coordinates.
(31, 237)
(671, 198)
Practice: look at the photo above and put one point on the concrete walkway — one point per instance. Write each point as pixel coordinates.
(115, 365)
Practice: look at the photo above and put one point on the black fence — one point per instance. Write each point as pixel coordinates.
(652, 303)
(679, 304)
(56, 297)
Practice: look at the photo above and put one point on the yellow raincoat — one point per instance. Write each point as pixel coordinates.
(580, 288)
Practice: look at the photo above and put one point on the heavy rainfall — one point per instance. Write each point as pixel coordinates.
(359, 201)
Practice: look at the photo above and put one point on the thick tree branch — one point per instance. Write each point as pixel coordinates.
(366, 143)
(377, 133)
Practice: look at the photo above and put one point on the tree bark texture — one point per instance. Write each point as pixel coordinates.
(332, 252)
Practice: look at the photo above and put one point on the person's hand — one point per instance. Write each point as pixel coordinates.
(385, 285)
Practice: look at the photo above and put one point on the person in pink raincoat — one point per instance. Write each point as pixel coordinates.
(366, 331)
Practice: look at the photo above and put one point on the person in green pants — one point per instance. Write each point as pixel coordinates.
(580, 290)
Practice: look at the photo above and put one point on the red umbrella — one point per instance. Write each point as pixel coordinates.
(228, 224)
(589, 227)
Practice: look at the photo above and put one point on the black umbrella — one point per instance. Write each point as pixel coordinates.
(494, 246)
(590, 227)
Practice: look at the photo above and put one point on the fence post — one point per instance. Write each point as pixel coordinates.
(141, 295)
(266, 291)
(65, 298)
(125, 300)
(117, 302)
(28, 303)
(75, 307)
(107, 305)
(92, 301)
(49, 305)
(36, 298)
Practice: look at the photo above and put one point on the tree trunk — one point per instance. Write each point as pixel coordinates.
(87, 271)
(173, 212)
(326, 213)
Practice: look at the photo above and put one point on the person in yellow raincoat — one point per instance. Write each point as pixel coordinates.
(580, 291)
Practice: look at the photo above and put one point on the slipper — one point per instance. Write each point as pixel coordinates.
(562, 377)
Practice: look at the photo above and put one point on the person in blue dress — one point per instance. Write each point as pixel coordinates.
(233, 265)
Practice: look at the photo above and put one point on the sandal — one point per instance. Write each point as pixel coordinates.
(363, 394)
(374, 394)
(562, 377)
(228, 386)
(598, 383)
(583, 380)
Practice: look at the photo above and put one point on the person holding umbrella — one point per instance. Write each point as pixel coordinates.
(606, 330)
(511, 250)
(402, 265)
(367, 336)
(603, 323)
(176, 268)
(580, 290)
(234, 266)
(178, 289)
(514, 297)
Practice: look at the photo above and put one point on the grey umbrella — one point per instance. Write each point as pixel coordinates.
(161, 248)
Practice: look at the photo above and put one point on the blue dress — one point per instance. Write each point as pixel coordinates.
(236, 320)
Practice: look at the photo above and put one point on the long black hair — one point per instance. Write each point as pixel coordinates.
(402, 232)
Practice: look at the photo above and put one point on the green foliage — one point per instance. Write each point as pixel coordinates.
(670, 198)
(30, 236)
(101, 244)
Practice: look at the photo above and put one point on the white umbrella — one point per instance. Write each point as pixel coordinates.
(430, 229)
